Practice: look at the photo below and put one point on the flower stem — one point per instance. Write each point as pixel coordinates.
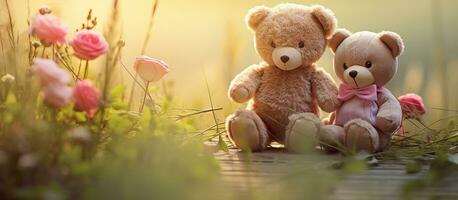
(43, 52)
(86, 71)
(132, 92)
(35, 52)
(79, 70)
(53, 51)
(144, 97)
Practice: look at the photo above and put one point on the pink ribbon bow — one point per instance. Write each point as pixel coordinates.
(366, 93)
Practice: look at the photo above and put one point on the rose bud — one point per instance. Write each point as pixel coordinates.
(150, 69)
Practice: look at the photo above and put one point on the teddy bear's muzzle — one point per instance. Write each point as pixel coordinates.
(287, 58)
(357, 76)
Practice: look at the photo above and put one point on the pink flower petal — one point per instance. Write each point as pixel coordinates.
(87, 97)
(150, 69)
(412, 105)
(49, 29)
(57, 95)
(49, 72)
(89, 45)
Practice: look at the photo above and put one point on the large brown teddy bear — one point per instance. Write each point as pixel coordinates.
(369, 114)
(285, 90)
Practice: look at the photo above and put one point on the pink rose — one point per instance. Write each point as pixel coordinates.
(412, 106)
(49, 29)
(49, 72)
(88, 45)
(150, 69)
(87, 97)
(57, 95)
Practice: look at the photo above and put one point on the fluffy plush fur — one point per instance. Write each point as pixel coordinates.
(282, 34)
(355, 51)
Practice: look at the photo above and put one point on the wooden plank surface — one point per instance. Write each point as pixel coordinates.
(243, 173)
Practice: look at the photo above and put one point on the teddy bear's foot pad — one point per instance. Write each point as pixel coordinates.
(301, 133)
(245, 134)
(361, 136)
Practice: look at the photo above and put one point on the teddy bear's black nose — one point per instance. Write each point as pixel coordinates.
(353, 73)
(284, 59)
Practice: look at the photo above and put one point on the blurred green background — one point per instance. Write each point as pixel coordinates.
(211, 36)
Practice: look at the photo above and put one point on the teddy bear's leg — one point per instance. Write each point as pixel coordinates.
(331, 137)
(301, 132)
(247, 131)
(361, 135)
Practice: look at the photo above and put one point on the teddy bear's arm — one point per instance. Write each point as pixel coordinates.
(325, 90)
(245, 84)
(389, 114)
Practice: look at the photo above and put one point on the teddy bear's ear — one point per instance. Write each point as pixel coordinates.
(338, 38)
(256, 15)
(326, 18)
(393, 41)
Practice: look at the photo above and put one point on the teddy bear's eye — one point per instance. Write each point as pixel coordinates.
(301, 44)
(368, 64)
(272, 44)
(345, 66)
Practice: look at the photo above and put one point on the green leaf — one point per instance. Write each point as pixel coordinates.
(355, 166)
(119, 105)
(222, 145)
(80, 116)
(145, 119)
(413, 167)
(118, 124)
(118, 91)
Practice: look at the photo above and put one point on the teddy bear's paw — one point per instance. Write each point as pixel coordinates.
(361, 136)
(247, 131)
(386, 125)
(301, 132)
(240, 94)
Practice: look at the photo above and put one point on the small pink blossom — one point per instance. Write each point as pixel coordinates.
(412, 106)
(87, 97)
(57, 95)
(49, 29)
(49, 72)
(88, 45)
(150, 69)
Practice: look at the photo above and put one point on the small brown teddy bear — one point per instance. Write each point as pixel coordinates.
(365, 62)
(285, 90)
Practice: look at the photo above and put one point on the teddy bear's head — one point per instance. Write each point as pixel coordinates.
(365, 58)
(290, 35)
